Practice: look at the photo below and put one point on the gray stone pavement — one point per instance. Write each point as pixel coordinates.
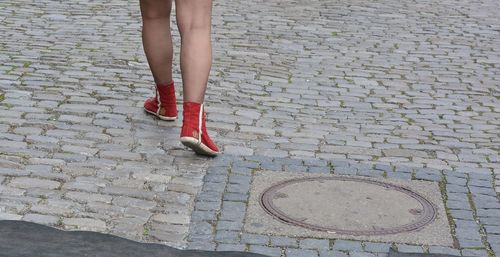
(221, 210)
(389, 88)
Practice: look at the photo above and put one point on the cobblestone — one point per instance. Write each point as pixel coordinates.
(409, 248)
(84, 224)
(478, 253)
(270, 251)
(231, 247)
(41, 219)
(343, 245)
(443, 250)
(387, 88)
(10, 216)
(362, 254)
(224, 236)
(255, 239)
(33, 182)
(314, 244)
(283, 241)
(377, 247)
(83, 197)
(332, 254)
(300, 253)
(229, 225)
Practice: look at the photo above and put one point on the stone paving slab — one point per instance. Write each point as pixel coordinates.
(353, 217)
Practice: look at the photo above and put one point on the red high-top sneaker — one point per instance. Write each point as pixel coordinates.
(163, 105)
(194, 132)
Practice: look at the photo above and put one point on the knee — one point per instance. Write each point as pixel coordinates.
(193, 26)
(155, 15)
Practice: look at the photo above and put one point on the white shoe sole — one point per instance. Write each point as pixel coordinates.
(161, 117)
(198, 148)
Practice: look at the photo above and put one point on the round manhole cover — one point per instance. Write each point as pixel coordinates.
(348, 205)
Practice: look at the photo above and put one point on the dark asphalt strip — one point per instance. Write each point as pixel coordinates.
(25, 239)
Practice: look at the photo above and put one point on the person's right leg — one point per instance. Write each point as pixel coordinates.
(194, 20)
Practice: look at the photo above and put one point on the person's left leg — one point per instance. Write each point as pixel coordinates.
(157, 42)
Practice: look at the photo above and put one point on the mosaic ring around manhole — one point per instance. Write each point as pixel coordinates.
(426, 215)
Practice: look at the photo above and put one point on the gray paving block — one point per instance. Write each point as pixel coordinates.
(495, 247)
(345, 170)
(466, 243)
(235, 197)
(283, 241)
(325, 253)
(224, 236)
(231, 247)
(248, 164)
(362, 254)
(321, 169)
(474, 253)
(492, 229)
(255, 239)
(345, 245)
(314, 244)
(409, 248)
(229, 225)
(265, 250)
(444, 250)
(300, 253)
(204, 246)
(377, 247)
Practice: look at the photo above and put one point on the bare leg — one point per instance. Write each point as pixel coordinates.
(157, 38)
(194, 20)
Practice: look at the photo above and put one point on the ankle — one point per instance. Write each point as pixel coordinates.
(162, 84)
(193, 101)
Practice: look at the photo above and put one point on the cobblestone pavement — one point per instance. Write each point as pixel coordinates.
(77, 150)
(217, 221)
(389, 88)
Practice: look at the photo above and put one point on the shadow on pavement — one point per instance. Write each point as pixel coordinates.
(19, 238)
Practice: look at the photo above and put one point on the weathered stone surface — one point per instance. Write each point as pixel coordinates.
(34, 182)
(393, 85)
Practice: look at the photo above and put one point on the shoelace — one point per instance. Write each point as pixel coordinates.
(159, 101)
(199, 124)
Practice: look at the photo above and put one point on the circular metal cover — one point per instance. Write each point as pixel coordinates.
(347, 205)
